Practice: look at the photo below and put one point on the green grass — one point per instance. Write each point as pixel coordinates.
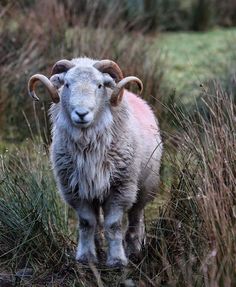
(191, 237)
(194, 57)
(191, 234)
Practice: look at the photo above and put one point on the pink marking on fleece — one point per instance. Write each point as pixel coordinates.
(142, 112)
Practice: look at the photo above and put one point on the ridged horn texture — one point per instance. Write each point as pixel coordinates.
(51, 89)
(111, 68)
(117, 94)
(61, 67)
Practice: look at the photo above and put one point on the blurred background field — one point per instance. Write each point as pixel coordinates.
(184, 51)
(193, 58)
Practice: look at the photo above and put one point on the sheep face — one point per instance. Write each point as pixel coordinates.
(84, 96)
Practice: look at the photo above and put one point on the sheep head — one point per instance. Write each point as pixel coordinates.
(84, 94)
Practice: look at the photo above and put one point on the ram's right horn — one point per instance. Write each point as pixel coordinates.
(61, 66)
(51, 89)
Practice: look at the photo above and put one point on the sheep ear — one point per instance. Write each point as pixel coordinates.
(57, 80)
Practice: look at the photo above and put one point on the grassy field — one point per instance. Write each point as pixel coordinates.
(192, 58)
(190, 236)
(191, 226)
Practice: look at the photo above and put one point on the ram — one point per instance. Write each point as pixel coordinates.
(106, 152)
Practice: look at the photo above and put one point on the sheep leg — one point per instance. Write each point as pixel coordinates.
(135, 233)
(99, 238)
(113, 232)
(86, 250)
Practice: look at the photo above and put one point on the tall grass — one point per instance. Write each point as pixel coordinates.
(197, 229)
(34, 222)
(30, 43)
(37, 231)
(192, 240)
(35, 34)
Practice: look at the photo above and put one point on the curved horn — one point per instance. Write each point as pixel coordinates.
(61, 67)
(52, 90)
(118, 92)
(111, 68)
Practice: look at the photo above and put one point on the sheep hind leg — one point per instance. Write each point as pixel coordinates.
(86, 251)
(136, 231)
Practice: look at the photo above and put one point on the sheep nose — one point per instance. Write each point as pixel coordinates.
(81, 113)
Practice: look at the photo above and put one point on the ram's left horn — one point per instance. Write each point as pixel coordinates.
(117, 94)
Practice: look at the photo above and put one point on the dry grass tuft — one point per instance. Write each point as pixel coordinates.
(31, 44)
(196, 235)
(190, 243)
(192, 240)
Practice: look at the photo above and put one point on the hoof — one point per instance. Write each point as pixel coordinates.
(133, 247)
(135, 257)
(116, 262)
(133, 251)
(87, 258)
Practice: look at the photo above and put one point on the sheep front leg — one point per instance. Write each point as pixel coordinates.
(86, 251)
(113, 215)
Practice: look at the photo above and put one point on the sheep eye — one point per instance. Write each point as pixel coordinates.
(99, 86)
(67, 85)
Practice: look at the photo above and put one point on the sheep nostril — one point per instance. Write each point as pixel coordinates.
(81, 114)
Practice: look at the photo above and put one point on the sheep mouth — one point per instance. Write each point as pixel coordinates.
(81, 123)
